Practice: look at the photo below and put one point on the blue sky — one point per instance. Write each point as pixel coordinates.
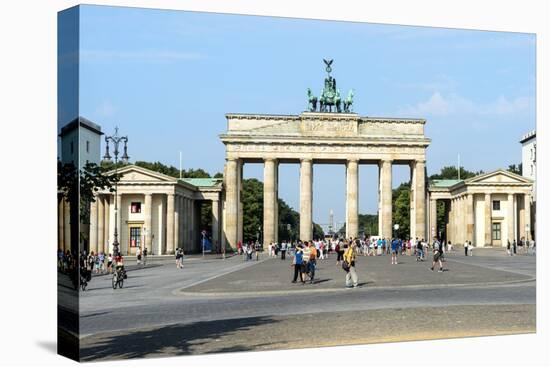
(167, 78)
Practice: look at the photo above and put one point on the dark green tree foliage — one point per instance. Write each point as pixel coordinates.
(287, 216)
(451, 173)
(318, 232)
(401, 210)
(253, 209)
(79, 190)
(368, 224)
(517, 169)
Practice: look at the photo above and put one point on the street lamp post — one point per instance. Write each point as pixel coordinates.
(116, 140)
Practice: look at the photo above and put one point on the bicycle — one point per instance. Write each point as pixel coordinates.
(118, 278)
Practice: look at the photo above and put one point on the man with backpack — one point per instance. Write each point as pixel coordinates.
(349, 266)
(438, 255)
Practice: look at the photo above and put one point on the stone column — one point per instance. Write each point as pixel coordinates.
(187, 211)
(460, 219)
(386, 197)
(123, 247)
(177, 218)
(412, 215)
(269, 202)
(215, 225)
(306, 177)
(66, 225)
(148, 222)
(527, 199)
(170, 216)
(352, 204)
(433, 218)
(93, 226)
(239, 201)
(380, 224)
(107, 220)
(100, 224)
(420, 199)
(448, 220)
(276, 205)
(488, 214)
(181, 222)
(470, 218)
(60, 225)
(510, 214)
(231, 202)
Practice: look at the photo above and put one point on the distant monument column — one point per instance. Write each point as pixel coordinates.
(170, 217)
(352, 210)
(420, 200)
(269, 201)
(306, 223)
(231, 202)
(386, 198)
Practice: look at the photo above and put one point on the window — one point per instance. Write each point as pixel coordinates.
(136, 207)
(135, 236)
(87, 146)
(496, 231)
(496, 204)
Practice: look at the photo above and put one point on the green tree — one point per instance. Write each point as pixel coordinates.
(253, 208)
(401, 209)
(79, 189)
(517, 169)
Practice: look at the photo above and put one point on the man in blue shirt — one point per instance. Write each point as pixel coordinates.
(298, 264)
(394, 249)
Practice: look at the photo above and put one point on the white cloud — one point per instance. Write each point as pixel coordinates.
(453, 104)
(106, 109)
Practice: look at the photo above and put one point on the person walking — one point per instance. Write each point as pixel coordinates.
(145, 256)
(138, 256)
(515, 245)
(465, 248)
(297, 263)
(338, 253)
(312, 262)
(349, 260)
(283, 250)
(394, 249)
(438, 255)
(178, 258)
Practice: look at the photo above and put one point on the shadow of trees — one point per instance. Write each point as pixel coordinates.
(171, 340)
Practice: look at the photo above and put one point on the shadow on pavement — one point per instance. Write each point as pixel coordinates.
(171, 340)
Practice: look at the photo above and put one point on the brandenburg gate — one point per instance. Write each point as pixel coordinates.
(328, 135)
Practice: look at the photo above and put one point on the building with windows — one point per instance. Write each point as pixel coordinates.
(155, 211)
(529, 167)
(80, 142)
(488, 210)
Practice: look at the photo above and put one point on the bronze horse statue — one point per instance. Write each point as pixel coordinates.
(312, 101)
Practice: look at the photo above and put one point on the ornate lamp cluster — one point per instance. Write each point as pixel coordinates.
(116, 140)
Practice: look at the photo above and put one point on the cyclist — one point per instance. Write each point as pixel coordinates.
(119, 264)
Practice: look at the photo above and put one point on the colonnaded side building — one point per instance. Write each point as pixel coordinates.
(160, 213)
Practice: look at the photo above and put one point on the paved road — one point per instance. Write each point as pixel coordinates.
(168, 302)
